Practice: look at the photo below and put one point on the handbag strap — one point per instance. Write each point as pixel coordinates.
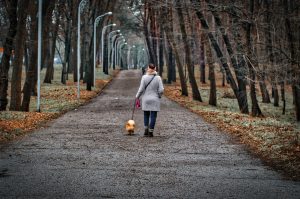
(149, 83)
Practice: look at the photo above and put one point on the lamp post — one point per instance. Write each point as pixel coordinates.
(95, 29)
(128, 55)
(120, 60)
(82, 4)
(113, 42)
(135, 57)
(39, 55)
(138, 59)
(109, 43)
(102, 43)
(117, 45)
(143, 50)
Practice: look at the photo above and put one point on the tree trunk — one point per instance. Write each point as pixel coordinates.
(184, 90)
(195, 90)
(73, 51)
(150, 20)
(294, 65)
(270, 54)
(255, 107)
(67, 51)
(50, 66)
(135, 58)
(212, 79)
(282, 89)
(154, 34)
(161, 53)
(105, 56)
(191, 38)
(263, 89)
(32, 69)
(47, 10)
(63, 78)
(67, 32)
(296, 94)
(167, 21)
(26, 56)
(90, 57)
(216, 47)
(7, 50)
(84, 72)
(149, 44)
(223, 77)
(275, 94)
(202, 58)
(238, 67)
(15, 101)
(49, 73)
(171, 65)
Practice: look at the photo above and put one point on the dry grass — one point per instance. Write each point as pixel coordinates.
(274, 137)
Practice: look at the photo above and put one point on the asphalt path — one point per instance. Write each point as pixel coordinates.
(86, 154)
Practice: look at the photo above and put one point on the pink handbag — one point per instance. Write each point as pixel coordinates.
(137, 103)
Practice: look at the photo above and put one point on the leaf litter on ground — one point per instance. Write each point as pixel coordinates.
(272, 138)
(56, 99)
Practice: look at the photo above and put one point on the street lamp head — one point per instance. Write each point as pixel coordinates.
(82, 5)
(114, 24)
(109, 13)
(108, 26)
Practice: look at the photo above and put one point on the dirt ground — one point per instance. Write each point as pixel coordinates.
(85, 154)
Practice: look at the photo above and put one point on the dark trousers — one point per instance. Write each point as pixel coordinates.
(150, 115)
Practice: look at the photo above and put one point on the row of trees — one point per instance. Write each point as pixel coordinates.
(19, 35)
(256, 43)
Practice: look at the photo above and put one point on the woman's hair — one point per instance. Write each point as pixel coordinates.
(151, 66)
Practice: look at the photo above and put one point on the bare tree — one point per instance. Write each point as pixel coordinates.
(167, 23)
(220, 55)
(15, 101)
(32, 68)
(195, 90)
(11, 8)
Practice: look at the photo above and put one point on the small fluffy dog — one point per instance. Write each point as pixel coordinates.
(130, 125)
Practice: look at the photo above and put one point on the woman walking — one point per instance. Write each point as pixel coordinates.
(151, 88)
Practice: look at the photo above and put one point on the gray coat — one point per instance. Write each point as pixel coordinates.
(150, 97)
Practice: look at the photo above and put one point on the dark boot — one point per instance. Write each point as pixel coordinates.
(151, 132)
(146, 133)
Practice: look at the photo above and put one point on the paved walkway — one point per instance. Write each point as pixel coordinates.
(84, 154)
